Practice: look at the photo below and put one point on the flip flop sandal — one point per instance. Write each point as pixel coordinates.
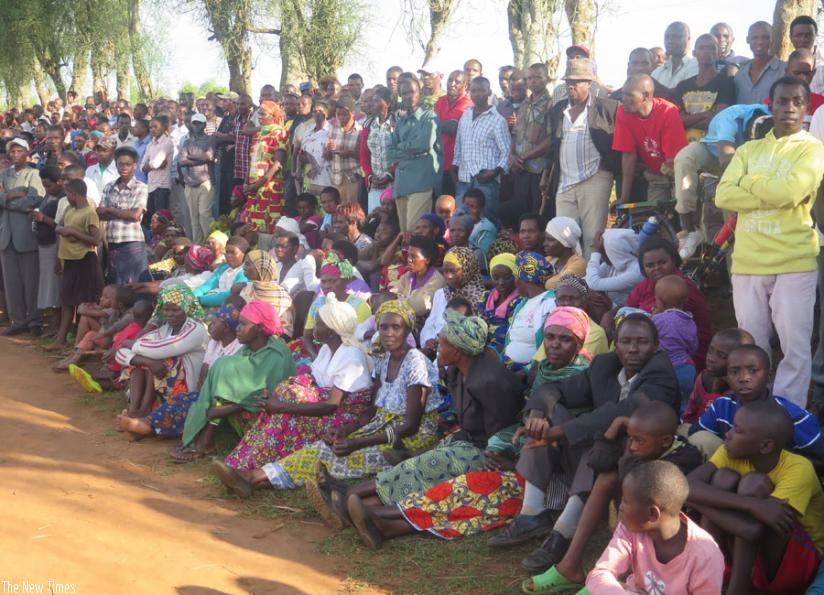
(551, 581)
(363, 523)
(84, 379)
(338, 504)
(232, 479)
(321, 501)
(187, 455)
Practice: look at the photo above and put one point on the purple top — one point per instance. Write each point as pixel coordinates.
(677, 334)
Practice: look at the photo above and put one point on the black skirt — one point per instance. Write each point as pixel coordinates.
(81, 281)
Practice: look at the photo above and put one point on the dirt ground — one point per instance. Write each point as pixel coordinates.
(92, 513)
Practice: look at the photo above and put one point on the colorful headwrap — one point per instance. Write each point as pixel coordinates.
(230, 315)
(264, 316)
(219, 237)
(181, 296)
(399, 307)
(574, 320)
(164, 216)
(472, 288)
(533, 267)
(274, 108)
(567, 231)
(336, 265)
(576, 283)
(263, 263)
(200, 258)
(436, 222)
(504, 260)
(467, 334)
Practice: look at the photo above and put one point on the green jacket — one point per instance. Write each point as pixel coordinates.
(413, 148)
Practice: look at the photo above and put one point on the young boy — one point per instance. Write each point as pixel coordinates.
(329, 202)
(748, 372)
(676, 330)
(711, 383)
(650, 436)
(762, 503)
(310, 224)
(662, 549)
(484, 231)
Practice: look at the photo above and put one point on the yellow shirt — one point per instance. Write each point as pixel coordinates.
(575, 265)
(81, 220)
(795, 481)
(596, 343)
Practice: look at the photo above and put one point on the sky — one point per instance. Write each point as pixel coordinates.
(479, 30)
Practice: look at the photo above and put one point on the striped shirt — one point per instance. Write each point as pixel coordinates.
(579, 158)
(481, 143)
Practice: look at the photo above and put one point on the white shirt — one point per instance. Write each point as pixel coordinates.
(346, 369)
(301, 276)
(528, 319)
(434, 322)
(216, 349)
(668, 77)
(100, 178)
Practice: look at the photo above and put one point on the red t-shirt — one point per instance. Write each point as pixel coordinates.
(656, 138)
(446, 112)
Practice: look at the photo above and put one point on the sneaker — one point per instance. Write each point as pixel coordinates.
(688, 244)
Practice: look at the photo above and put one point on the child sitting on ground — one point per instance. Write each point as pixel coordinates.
(484, 231)
(108, 375)
(329, 202)
(762, 503)
(677, 332)
(649, 435)
(663, 550)
(310, 223)
(711, 383)
(748, 373)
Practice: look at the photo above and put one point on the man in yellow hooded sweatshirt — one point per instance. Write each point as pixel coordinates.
(771, 183)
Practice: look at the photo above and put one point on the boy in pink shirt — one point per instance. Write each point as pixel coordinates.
(663, 550)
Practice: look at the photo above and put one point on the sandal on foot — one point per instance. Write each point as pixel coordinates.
(233, 480)
(550, 581)
(363, 523)
(187, 454)
(321, 501)
(551, 552)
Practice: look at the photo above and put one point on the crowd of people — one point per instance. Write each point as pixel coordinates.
(407, 301)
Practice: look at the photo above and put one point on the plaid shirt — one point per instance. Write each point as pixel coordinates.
(134, 196)
(344, 169)
(242, 148)
(481, 143)
(531, 128)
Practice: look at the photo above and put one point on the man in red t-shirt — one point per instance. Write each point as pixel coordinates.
(449, 108)
(651, 128)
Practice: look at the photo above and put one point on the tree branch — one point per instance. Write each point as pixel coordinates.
(264, 30)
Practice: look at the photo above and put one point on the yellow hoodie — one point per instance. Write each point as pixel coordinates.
(771, 183)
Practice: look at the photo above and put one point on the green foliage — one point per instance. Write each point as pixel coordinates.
(210, 86)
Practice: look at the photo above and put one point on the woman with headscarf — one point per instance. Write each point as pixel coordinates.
(164, 364)
(463, 279)
(235, 382)
(478, 500)
(261, 269)
(264, 187)
(526, 329)
(562, 247)
(161, 221)
(335, 274)
(404, 416)
(216, 242)
(500, 302)
(422, 280)
(334, 392)
(222, 336)
(219, 286)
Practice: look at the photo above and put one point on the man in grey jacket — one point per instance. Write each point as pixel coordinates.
(20, 189)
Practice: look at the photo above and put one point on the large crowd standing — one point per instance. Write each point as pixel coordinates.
(407, 301)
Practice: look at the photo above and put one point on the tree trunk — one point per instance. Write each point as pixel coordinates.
(785, 12)
(39, 77)
(583, 21)
(230, 28)
(293, 23)
(533, 33)
(240, 71)
(123, 75)
(144, 81)
(440, 12)
(80, 70)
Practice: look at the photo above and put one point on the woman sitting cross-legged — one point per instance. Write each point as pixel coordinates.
(476, 501)
(261, 270)
(164, 364)
(498, 304)
(404, 416)
(234, 382)
(302, 409)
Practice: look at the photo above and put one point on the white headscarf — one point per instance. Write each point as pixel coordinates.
(343, 320)
(567, 231)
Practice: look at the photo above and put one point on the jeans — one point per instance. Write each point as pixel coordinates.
(127, 261)
(490, 190)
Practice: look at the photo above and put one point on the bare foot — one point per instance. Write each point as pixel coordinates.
(136, 428)
(64, 363)
(54, 346)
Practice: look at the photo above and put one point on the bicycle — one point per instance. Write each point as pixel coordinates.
(636, 216)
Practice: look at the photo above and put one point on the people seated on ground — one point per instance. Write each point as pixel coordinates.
(404, 416)
(479, 500)
(573, 292)
(295, 274)
(422, 280)
(629, 442)
(499, 303)
(383, 253)
(460, 229)
(762, 503)
(222, 335)
(260, 270)
(216, 242)
(615, 384)
(218, 287)
(336, 273)
(348, 221)
(655, 542)
(748, 373)
(677, 332)
(463, 279)
(307, 217)
(163, 368)
(527, 326)
(174, 245)
(161, 221)
(334, 392)
(483, 231)
(613, 266)
(235, 383)
(658, 259)
(197, 269)
(562, 247)
(108, 374)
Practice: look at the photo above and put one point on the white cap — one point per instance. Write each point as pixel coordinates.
(199, 118)
(22, 142)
